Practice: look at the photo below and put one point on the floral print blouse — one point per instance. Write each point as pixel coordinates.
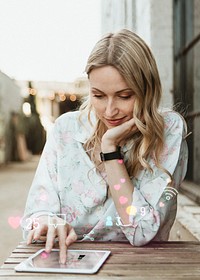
(67, 184)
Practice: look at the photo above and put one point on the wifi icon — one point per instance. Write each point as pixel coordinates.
(170, 193)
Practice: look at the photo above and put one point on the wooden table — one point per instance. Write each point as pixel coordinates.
(166, 260)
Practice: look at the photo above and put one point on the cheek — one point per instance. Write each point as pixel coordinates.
(128, 108)
(98, 106)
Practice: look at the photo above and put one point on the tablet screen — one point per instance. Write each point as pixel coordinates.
(78, 261)
(81, 260)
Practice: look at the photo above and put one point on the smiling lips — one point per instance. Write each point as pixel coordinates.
(115, 122)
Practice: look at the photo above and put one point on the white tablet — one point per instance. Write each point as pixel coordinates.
(78, 261)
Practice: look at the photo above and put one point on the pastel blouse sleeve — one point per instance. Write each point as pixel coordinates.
(154, 203)
(43, 197)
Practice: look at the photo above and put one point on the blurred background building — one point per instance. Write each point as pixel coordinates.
(53, 98)
(10, 102)
(172, 30)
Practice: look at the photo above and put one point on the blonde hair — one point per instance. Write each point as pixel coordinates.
(131, 56)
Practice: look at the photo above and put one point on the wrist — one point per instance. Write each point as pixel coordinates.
(111, 155)
(107, 147)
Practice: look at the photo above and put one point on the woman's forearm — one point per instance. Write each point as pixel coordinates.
(121, 188)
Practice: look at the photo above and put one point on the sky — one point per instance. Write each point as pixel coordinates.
(47, 40)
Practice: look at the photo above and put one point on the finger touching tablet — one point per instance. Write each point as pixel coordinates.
(78, 261)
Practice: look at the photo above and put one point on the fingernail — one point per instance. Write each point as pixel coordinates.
(47, 249)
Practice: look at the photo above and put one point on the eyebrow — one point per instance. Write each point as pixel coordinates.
(119, 91)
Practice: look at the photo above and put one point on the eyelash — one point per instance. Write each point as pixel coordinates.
(98, 96)
(123, 97)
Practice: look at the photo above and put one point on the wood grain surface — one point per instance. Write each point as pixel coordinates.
(157, 260)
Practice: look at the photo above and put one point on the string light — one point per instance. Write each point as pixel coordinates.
(62, 97)
(72, 97)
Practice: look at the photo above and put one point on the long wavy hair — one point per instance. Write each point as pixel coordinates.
(131, 56)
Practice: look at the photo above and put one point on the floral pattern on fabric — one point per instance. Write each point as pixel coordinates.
(67, 182)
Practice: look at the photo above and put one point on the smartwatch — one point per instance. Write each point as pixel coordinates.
(113, 155)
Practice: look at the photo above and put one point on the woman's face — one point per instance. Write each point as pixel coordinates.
(111, 97)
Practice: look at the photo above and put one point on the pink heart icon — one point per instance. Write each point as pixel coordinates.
(44, 255)
(161, 204)
(117, 187)
(122, 180)
(120, 161)
(14, 222)
(123, 199)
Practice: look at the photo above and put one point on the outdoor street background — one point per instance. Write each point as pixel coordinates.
(44, 48)
(15, 179)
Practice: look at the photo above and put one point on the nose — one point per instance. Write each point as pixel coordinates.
(111, 109)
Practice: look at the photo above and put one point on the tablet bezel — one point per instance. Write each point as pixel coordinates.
(23, 266)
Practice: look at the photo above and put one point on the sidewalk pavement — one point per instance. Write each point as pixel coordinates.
(15, 181)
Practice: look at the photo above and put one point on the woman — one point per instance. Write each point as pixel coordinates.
(104, 170)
